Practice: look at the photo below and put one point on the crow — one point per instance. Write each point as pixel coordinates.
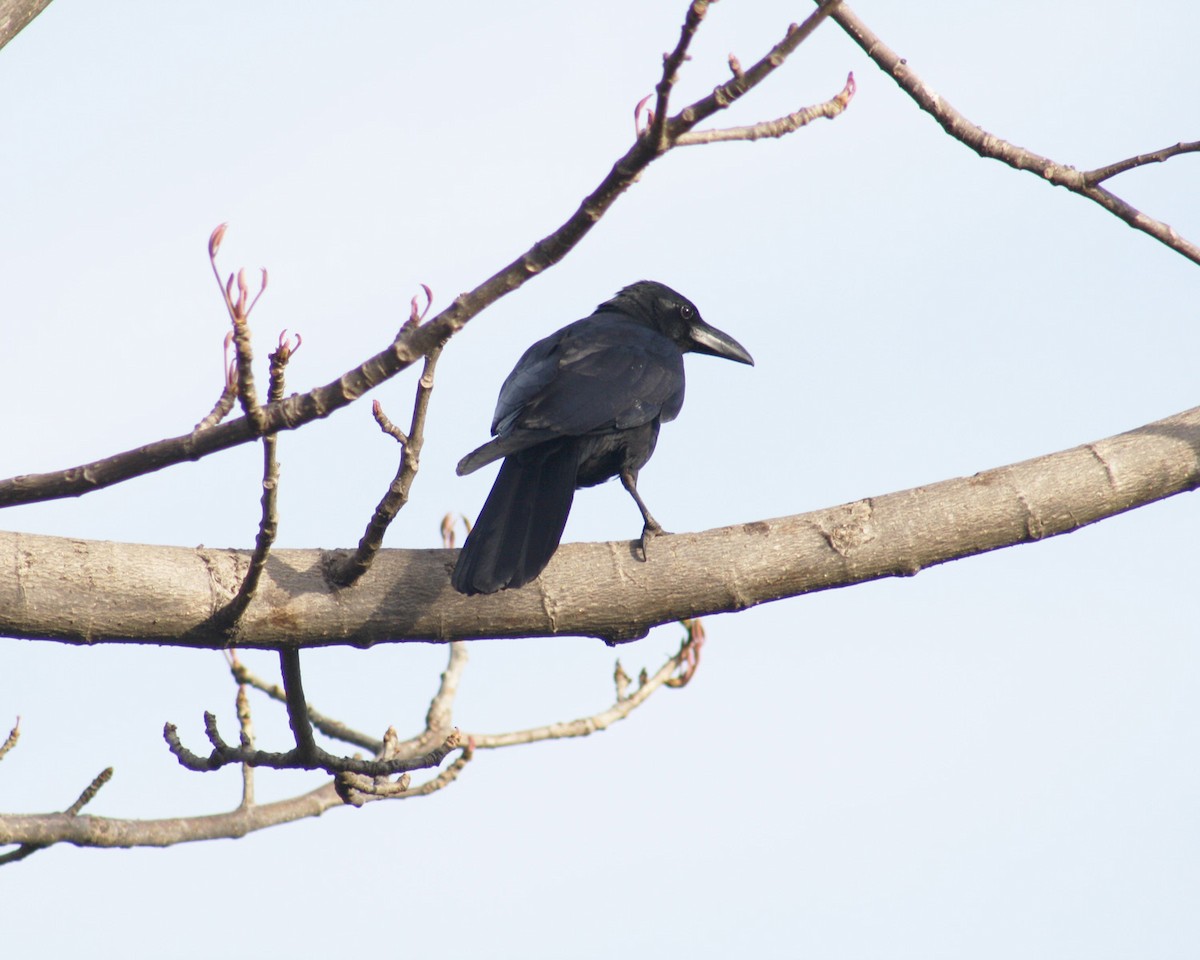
(580, 407)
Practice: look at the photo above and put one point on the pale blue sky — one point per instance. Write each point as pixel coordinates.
(996, 758)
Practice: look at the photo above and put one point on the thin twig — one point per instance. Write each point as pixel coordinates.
(268, 526)
(23, 851)
(689, 653)
(318, 759)
(347, 570)
(671, 63)
(224, 405)
(13, 736)
(774, 128)
(89, 793)
(438, 720)
(246, 739)
(438, 717)
(334, 729)
(1094, 177)
(622, 708)
(356, 791)
(297, 707)
(362, 785)
(741, 84)
(240, 309)
(685, 659)
(993, 147)
(415, 343)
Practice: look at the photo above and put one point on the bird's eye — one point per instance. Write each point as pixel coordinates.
(687, 311)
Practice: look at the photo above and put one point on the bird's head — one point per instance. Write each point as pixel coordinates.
(675, 316)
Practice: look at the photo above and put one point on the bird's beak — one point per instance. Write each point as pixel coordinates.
(715, 342)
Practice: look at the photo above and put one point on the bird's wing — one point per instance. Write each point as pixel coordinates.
(601, 373)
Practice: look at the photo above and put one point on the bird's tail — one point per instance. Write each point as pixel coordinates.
(522, 520)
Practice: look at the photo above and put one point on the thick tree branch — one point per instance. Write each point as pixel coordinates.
(993, 147)
(90, 592)
(86, 831)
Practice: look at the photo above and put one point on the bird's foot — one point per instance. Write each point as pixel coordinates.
(649, 532)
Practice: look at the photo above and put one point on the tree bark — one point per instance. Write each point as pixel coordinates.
(16, 15)
(86, 592)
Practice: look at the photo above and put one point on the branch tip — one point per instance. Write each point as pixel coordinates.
(90, 792)
(13, 736)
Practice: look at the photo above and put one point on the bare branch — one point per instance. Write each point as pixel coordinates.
(586, 726)
(314, 759)
(746, 80)
(268, 527)
(348, 570)
(153, 594)
(28, 846)
(240, 309)
(438, 723)
(13, 736)
(40, 830)
(988, 145)
(1094, 177)
(671, 64)
(352, 786)
(297, 707)
(16, 15)
(334, 729)
(438, 717)
(413, 342)
(224, 405)
(359, 783)
(89, 792)
(774, 128)
(246, 736)
(443, 779)
(356, 790)
(23, 851)
(689, 653)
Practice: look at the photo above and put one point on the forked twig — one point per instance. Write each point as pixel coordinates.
(988, 145)
(348, 569)
(417, 342)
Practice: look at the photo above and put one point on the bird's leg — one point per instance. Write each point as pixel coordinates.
(650, 527)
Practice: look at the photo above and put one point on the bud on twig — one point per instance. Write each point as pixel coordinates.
(214, 240)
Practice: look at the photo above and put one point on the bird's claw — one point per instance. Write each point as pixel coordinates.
(648, 534)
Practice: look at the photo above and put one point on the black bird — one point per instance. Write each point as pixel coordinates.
(580, 407)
